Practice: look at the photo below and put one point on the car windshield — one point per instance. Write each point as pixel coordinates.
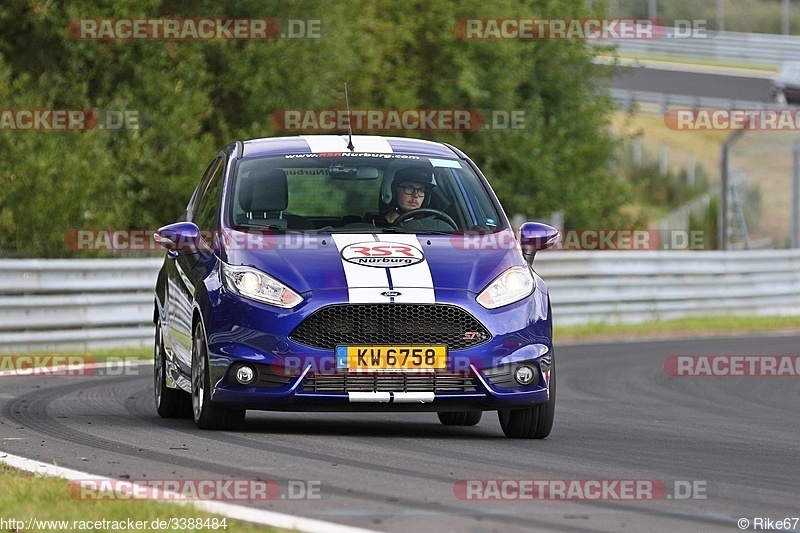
(355, 193)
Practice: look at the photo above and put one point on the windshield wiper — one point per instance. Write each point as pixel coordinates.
(398, 229)
(271, 227)
(345, 230)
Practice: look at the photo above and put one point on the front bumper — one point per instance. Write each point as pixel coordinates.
(296, 377)
(476, 393)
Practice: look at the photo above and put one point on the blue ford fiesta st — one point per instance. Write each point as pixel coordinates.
(329, 273)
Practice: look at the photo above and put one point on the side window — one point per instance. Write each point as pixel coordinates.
(204, 212)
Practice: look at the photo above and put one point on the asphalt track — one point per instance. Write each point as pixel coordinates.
(700, 84)
(619, 416)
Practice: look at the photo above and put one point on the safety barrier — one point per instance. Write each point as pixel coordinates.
(96, 303)
(747, 48)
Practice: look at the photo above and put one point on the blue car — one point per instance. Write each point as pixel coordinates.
(363, 273)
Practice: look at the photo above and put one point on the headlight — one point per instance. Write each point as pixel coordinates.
(511, 286)
(256, 285)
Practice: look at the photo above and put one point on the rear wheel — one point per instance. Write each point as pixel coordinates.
(170, 403)
(460, 418)
(206, 414)
(532, 422)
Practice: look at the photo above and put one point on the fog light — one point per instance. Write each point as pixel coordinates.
(524, 375)
(245, 375)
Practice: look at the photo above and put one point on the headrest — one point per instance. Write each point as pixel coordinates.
(261, 192)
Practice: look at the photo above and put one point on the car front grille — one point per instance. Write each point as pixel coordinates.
(386, 324)
(389, 382)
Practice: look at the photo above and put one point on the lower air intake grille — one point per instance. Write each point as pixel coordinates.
(385, 382)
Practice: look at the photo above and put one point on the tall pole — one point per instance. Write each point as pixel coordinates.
(785, 17)
(796, 194)
(720, 15)
(723, 219)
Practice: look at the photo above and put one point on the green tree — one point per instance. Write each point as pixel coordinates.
(195, 97)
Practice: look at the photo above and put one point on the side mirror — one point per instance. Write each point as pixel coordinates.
(178, 237)
(535, 236)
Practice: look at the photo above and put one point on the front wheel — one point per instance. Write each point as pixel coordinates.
(170, 403)
(206, 414)
(534, 422)
(460, 418)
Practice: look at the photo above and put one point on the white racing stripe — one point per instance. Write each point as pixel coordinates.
(391, 397)
(371, 144)
(338, 143)
(412, 397)
(369, 397)
(233, 511)
(326, 143)
(366, 284)
(415, 281)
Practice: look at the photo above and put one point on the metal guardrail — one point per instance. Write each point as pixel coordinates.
(48, 305)
(625, 99)
(61, 304)
(749, 48)
(632, 287)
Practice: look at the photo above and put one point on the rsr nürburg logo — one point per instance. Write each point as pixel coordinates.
(382, 254)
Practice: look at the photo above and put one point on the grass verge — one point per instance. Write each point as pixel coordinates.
(26, 496)
(701, 62)
(679, 327)
(34, 359)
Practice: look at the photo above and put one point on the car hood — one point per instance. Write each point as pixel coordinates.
(418, 265)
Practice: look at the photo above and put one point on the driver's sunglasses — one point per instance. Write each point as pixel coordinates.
(409, 190)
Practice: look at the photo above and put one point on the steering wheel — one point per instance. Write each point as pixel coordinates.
(435, 212)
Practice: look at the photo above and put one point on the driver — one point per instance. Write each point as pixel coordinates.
(410, 187)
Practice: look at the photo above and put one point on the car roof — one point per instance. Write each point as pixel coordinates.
(310, 144)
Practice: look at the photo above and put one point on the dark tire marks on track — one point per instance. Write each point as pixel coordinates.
(619, 417)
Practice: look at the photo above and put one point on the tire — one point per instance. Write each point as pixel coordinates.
(207, 415)
(460, 418)
(534, 422)
(170, 403)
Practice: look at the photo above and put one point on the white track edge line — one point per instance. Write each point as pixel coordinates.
(234, 512)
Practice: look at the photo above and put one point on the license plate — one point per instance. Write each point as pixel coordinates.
(401, 357)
